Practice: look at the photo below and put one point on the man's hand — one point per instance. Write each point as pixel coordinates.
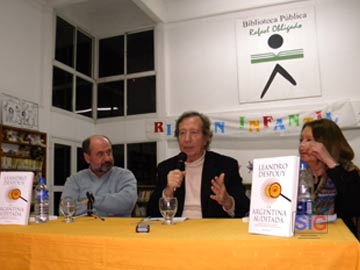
(220, 193)
(174, 181)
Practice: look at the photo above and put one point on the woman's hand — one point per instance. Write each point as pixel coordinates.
(318, 150)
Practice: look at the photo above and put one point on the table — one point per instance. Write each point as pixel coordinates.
(90, 243)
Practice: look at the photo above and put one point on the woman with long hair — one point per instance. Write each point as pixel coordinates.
(336, 178)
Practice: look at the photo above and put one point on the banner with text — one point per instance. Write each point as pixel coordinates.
(276, 122)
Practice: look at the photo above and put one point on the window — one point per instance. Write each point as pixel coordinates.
(62, 163)
(126, 71)
(64, 46)
(141, 95)
(141, 160)
(140, 52)
(80, 161)
(127, 58)
(73, 87)
(111, 56)
(110, 99)
(118, 153)
(62, 89)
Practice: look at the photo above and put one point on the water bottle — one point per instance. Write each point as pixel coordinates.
(41, 202)
(304, 202)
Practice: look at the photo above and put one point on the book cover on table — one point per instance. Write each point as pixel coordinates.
(15, 197)
(274, 195)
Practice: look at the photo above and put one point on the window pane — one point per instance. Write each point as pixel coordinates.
(142, 162)
(140, 52)
(118, 153)
(81, 163)
(111, 56)
(83, 97)
(64, 50)
(84, 54)
(62, 89)
(62, 162)
(141, 95)
(110, 99)
(57, 196)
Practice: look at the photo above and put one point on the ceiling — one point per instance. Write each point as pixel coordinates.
(101, 17)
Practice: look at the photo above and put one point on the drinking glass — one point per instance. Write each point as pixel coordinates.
(168, 208)
(67, 208)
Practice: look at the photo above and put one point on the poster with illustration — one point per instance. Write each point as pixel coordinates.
(19, 113)
(277, 54)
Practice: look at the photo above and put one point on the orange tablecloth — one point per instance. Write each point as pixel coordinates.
(193, 244)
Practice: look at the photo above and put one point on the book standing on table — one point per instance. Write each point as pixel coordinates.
(274, 196)
(15, 197)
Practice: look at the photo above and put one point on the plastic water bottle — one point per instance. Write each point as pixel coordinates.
(304, 202)
(41, 202)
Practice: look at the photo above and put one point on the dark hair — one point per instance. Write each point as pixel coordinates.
(206, 124)
(330, 135)
(86, 143)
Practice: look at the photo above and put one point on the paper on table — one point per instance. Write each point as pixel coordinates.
(176, 219)
(32, 218)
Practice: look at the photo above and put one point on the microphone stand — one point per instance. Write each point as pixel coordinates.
(90, 206)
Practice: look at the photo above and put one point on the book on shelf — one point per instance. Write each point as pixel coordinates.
(15, 197)
(274, 196)
(144, 195)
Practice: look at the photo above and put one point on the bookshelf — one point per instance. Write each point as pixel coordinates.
(144, 193)
(23, 150)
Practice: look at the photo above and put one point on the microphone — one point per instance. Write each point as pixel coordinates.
(181, 161)
(90, 206)
(90, 203)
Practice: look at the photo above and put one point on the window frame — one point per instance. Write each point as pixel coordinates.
(95, 80)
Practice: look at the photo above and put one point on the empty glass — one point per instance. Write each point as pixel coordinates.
(168, 208)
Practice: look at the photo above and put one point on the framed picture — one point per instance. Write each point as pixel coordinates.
(29, 114)
(19, 113)
(11, 111)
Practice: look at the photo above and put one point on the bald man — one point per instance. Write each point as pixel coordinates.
(114, 189)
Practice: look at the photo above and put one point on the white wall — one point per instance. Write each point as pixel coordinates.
(26, 53)
(201, 74)
(196, 69)
(201, 59)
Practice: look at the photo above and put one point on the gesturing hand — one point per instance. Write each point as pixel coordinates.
(220, 194)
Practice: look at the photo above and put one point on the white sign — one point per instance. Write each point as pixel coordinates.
(277, 55)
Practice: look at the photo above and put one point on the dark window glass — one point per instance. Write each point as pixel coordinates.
(83, 97)
(118, 153)
(81, 163)
(111, 56)
(62, 163)
(141, 160)
(140, 52)
(57, 197)
(84, 54)
(110, 99)
(64, 48)
(62, 89)
(141, 95)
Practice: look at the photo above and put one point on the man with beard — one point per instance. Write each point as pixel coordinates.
(112, 190)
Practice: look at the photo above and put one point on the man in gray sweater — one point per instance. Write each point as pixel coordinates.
(113, 190)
